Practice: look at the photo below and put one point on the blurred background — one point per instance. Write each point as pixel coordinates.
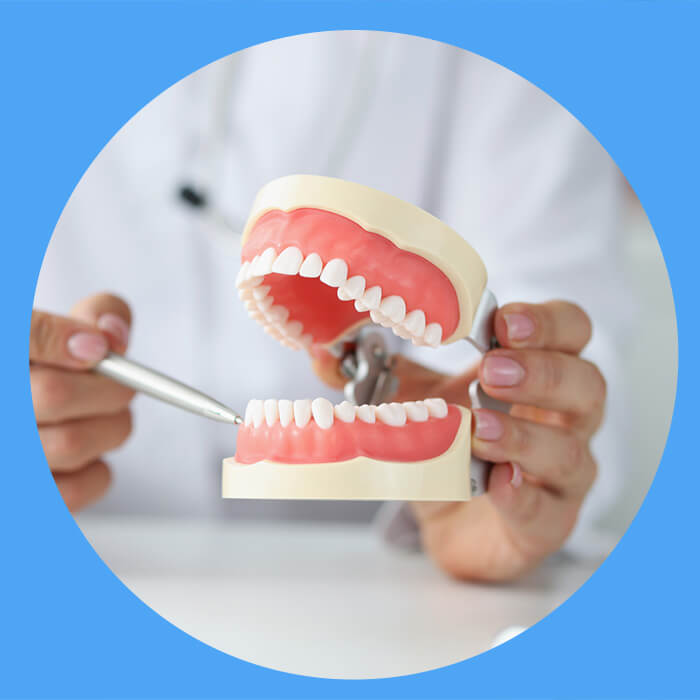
(156, 219)
(650, 366)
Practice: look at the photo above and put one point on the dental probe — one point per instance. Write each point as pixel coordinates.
(163, 388)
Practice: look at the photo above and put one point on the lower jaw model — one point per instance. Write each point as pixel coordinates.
(320, 259)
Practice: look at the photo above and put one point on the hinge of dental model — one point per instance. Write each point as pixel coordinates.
(483, 338)
(367, 363)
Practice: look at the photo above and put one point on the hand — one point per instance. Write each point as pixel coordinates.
(543, 464)
(80, 415)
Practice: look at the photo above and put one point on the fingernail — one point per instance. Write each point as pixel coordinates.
(488, 426)
(519, 326)
(114, 325)
(502, 371)
(88, 347)
(517, 477)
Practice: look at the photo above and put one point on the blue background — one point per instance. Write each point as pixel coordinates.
(72, 74)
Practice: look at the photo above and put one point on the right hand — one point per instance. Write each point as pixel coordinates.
(80, 415)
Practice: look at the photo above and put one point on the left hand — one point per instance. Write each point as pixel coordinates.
(543, 466)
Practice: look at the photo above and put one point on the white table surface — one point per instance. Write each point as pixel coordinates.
(323, 600)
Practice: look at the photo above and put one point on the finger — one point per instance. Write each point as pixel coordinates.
(71, 445)
(60, 395)
(556, 325)
(538, 519)
(549, 380)
(64, 342)
(559, 459)
(327, 368)
(110, 314)
(80, 488)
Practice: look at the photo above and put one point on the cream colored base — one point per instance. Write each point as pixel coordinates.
(444, 478)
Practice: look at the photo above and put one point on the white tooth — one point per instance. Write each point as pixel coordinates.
(302, 412)
(251, 269)
(359, 306)
(261, 292)
(436, 407)
(263, 265)
(255, 314)
(345, 412)
(392, 414)
(249, 413)
(286, 412)
(265, 304)
(378, 317)
(306, 340)
(288, 262)
(372, 298)
(366, 413)
(416, 411)
(277, 314)
(250, 305)
(273, 331)
(433, 334)
(245, 293)
(394, 308)
(353, 289)
(312, 266)
(414, 323)
(271, 411)
(322, 410)
(252, 280)
(335, 273)
(256, 412)
(399, 330)
(293, 329)
(242, 275)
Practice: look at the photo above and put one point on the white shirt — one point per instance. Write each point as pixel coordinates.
(473, 143)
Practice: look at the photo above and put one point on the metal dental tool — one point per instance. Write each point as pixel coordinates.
(367, 363)
(163, 388)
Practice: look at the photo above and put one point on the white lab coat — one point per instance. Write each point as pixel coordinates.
(470, 141)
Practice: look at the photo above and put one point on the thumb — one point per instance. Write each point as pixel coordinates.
(110, 314)
(327, 368)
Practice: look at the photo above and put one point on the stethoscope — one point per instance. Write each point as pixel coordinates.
(210, 145)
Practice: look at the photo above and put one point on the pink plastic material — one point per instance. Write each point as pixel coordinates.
(398, 272)
(411, 442)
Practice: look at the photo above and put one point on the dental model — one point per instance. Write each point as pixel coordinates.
(320, 259)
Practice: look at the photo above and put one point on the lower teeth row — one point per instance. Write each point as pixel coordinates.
(324, 413)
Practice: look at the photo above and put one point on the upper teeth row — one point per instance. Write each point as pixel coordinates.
(389, 312)
(324, 412)
(273, 317)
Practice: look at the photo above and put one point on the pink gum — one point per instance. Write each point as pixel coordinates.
(398, 272)
(412, 442)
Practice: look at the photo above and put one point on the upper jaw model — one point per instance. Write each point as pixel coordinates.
(321, 258)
